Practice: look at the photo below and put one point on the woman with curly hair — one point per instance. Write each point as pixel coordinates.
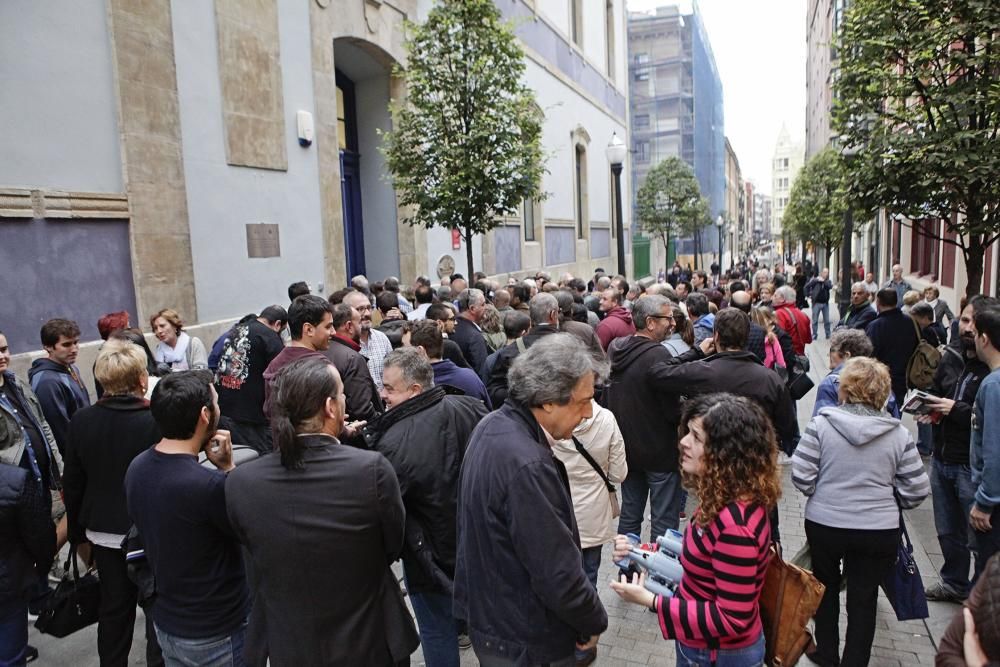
(729, 460)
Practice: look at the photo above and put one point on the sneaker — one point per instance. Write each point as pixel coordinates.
(784, 459)
(584, 658)
(941, 593)
(683, 516)
(31, 654)
(464, 642)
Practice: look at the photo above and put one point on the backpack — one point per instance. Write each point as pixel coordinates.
(923, 363)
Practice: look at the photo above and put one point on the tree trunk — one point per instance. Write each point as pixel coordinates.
(468, 254)
(974, 255)
(666, 255)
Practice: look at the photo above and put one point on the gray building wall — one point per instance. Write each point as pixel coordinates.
(59, 115)
(223, 199)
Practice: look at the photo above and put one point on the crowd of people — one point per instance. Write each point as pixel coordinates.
(494, 438)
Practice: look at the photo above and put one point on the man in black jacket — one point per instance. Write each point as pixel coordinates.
(424, 435)
(894, 337)
(363, 401)
(468, 335)
(544, 312)
(860, 313)
(648, 419)
(955, 385)
(818, 289)
(519, 579)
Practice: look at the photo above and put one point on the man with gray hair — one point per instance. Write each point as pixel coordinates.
(468, 335)
(791, 319)
(648, 418)
(424, 435)
(519, 578)
(860, 313)
(544, 311)
(391, 284)
(583, 331)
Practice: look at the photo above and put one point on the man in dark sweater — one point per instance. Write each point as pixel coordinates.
(894, 338)
(179, 508)
(363, 401)
(55, 379)
(427, 336)
(310, 323)
(955, 385)
(468, 335)
(249, 349)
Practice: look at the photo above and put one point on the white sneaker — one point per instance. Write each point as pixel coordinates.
(784, 459)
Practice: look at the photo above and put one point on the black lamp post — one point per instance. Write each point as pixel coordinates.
(846, 279)
(616, 153)
(720, 222)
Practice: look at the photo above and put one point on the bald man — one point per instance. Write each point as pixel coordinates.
(741, 300)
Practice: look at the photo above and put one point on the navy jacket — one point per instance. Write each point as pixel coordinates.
(519, 579)
(470, 340)
(894, 337)
(858, 317)
(27, 534)
(61, 393)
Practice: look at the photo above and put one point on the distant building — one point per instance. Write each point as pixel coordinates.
(734, 207)
(823, 20)
(785, 166)
(675, 100)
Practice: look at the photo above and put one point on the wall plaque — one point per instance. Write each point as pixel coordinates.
(262, 241)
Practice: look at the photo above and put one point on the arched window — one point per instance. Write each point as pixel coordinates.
(581, 140)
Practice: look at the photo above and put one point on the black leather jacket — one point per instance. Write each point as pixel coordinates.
(27, 534)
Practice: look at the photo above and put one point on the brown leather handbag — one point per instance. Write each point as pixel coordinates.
(788, 600)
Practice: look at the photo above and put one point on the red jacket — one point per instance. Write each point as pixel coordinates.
(796, 323)
(617, 323)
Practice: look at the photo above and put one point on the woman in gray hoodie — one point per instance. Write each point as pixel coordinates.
(853, 462)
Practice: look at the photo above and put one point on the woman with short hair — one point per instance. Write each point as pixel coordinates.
(855, 464)
(729, 461)
(682, 337)
(176, 348)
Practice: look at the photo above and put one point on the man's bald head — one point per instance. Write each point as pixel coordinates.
(740, 301)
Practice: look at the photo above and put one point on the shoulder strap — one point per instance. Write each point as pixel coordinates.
(521, 347)
(593, 464)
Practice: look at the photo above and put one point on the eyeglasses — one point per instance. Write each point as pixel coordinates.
(661, 317)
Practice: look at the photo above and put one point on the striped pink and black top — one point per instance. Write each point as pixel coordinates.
(724, 567)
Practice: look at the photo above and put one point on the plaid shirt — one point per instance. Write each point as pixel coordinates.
(375, 351)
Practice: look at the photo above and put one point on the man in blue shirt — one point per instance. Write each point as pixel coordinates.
(427, 336)
(984, 450)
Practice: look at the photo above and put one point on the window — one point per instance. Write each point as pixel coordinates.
(642, 151)
(576, 21)
(641, 67)
(580, 173)
(609, 36)
(641, 120)
(925, 247)
(528, 212)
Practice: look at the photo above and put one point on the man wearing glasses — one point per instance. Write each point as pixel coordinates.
(648, 418)
(375, 345)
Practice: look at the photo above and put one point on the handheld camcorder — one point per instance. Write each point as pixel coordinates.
(660, 561)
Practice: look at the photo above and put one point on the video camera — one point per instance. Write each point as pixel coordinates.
(661, 562)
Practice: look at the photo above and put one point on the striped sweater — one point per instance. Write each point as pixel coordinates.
(724, 567)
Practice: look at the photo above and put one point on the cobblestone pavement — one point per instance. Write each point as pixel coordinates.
(633, 638)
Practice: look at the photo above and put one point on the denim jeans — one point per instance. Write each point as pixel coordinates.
(925, 439)
(13, 632)
(986, 544)
(953, 493)
(438, 629)
(664, 502)
(219, 651)
(749, 656)
(818, 308)
(592, 563)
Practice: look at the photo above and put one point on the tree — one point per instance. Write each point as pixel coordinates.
(669, 202)
(917, 93)
(818, 201)
(466, 145)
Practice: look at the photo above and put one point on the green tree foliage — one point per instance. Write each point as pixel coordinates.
(466, 145)
(818, 201)
(669, 202)
(919, 93)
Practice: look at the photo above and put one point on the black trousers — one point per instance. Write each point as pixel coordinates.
(116, 618)
(257, 436)
(868, 555)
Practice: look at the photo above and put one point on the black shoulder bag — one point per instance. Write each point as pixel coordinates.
(615, 506)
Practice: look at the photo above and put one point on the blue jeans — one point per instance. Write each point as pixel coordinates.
(664, 502)
(438, 629)
(219, 651)
(750, 656)
(953, 493)
(13, 632)
(986, 544)
(592, 563)
(925, 439)
(817, 309)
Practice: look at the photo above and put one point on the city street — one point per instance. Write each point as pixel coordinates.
(633, 637)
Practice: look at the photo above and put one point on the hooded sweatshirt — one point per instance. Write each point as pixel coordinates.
(617, 323)
(61, 393)
(848, 462)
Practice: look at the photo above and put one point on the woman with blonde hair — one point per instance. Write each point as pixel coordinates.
(729, 461)
(176, 348)
(764, 295)
(855, 464)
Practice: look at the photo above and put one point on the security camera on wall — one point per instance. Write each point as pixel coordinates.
(304, 122)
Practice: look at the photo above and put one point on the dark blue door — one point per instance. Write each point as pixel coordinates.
(350, 192)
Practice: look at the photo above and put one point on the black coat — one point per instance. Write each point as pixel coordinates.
(738, 373)
(103, 440)
(470, 339)
(519, 579)
(647, 416)
(894, 338)
(363, 400)
(858, 317)
(958, 380)
(321, 540)
(27, 535)
(496, 387)
(425, 439)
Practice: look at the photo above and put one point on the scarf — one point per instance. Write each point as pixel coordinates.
(176, 357)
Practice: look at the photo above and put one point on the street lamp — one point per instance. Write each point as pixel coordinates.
(720, 222)
(845, 244)
(616, 153)
(732, 245)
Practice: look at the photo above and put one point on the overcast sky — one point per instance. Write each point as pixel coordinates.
(760, 50)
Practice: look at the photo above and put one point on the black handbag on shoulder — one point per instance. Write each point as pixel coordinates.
(73, 605)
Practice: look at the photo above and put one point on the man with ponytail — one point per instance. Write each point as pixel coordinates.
(322, 522)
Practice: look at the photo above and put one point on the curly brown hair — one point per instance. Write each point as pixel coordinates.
(741, 454)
